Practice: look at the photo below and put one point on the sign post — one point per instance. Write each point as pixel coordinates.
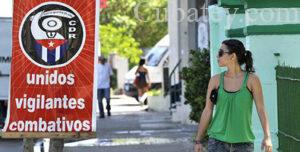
(52, 87)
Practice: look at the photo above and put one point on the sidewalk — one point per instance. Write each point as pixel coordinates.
(11, 145)
(132, 129)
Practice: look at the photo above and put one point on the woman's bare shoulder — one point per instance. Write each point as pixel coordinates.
(215, 77)
(253, 77)
(144, 69)
(214, 80)
(253, 81)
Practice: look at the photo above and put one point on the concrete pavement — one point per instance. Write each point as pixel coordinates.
(11, 145)
(132, 129)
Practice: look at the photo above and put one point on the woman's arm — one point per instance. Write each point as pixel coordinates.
(207, 112)
(259, 102)
(137, 70)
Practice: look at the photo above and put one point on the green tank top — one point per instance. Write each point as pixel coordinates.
(232, 120)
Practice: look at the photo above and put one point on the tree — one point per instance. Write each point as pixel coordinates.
(118, 41)
(139, 17)
(151, 22)
(196, 76)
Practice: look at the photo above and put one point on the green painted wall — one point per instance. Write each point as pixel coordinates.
(287, 29)
(267, 30)
(265, 63)
(271, 3)
(268, 33)
(272, 16)
(235, 26)
(221, 21)
(231, 3)
(264, 40)
(217, 24)
(263, 47)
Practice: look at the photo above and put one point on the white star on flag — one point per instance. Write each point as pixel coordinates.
(51, 44)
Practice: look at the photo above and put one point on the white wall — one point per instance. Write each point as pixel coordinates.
(121, 65)
(183, 38)
(6, 8)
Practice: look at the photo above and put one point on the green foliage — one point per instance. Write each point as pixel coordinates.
(118, 41)
(151, 24)
(114, 79)
(196, 76)
(143, 24)
(154, 92)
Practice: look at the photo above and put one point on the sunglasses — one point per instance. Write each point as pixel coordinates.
(222, 52)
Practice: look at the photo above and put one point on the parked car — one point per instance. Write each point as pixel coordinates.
(155, 59)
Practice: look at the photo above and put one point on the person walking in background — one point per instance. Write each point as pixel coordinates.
(104, 77)
(142, 81)
(233, 94)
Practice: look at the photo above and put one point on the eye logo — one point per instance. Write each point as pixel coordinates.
(52, 34)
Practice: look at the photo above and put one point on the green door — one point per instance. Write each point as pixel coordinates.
(288, 88)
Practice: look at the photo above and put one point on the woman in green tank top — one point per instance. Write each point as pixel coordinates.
(229, 130)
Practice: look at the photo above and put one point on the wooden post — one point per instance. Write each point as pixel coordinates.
(56, 145)
(28, 144)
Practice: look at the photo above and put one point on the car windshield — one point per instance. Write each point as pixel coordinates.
(155, 55)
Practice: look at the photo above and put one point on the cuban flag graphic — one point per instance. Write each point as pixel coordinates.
(51, 50)
(50, 45)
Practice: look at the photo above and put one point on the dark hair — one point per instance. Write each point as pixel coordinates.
(101, 58)
(243, 56)
(142, 62)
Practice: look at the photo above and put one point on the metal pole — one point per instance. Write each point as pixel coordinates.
(28, 144)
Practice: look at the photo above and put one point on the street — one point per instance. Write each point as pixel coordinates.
(133, 129)
(11, 145)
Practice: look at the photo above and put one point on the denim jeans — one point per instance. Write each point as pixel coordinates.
(215, 145)
(103, 93)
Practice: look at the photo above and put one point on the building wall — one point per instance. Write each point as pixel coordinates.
(121, 65)
(266, 31)
(263, 47)
(217, 24)
(218, 28)
(259, 28)
(183, 38)
(6, 44)
(174, 32)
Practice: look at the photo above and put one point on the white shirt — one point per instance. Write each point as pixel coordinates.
(104, 73)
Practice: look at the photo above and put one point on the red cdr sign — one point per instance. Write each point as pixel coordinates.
(52, 76)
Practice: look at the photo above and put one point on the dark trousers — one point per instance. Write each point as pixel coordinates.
(3, 111)
(103, 93)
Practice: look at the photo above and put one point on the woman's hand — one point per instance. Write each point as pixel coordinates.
(198, 148)
(266, 144)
